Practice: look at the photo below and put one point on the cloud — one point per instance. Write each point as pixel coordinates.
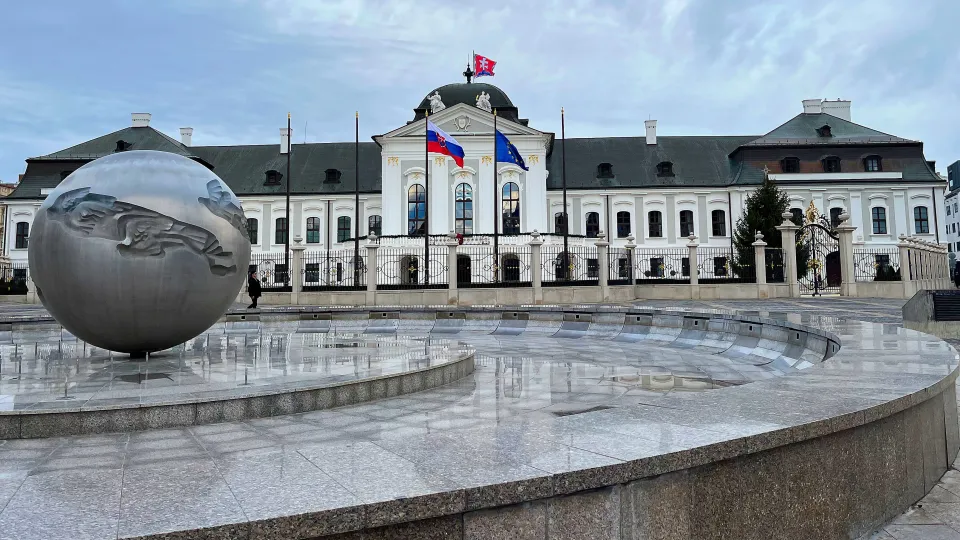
(233, 71)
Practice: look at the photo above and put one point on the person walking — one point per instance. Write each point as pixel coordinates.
(253, 289)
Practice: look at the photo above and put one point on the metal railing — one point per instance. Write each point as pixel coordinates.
(658, 265)
(333, 270)
(13, 278)
(720, 265)
(577, 266)
(620, 270)
(271, 271)
(876, 264)
(773, 265)
(406, 268)
(479, 266)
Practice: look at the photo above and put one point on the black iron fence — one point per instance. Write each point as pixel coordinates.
(773, 265)
(337, 269)
(271, 270)
(720, 265)
(662, 265)
(579, 265)
(876, 264)
(620, 269)
(482, 266)
(407, 268)
(13, 278)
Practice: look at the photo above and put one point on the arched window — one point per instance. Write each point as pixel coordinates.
(790, 165)
(416, 210)
(280, 235)
(878, 215)
(375, 225)
(718, 219)
(559, 223)
(831, 164)
(655, 224)
(510, 203)
(313, 230)
(344, 231)
(623, 224)
(23, 234)
(797, 216)
(921, 224)
(593, 224)
(835, 216)
(253, 230)
(872, 164)
(463, 219)
(686, 223)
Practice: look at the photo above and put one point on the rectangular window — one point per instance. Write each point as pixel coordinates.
(948, 209)
(719, 218)
(23, 235)
(656, 267)
(593, 268)
(879, 218)
(719, 266)
(312, 272)
(343, 229)
(686, 223)
(655, 224)
(280, 236)
(253, 230)
(375, 225)
(623, 224)
(921, 223)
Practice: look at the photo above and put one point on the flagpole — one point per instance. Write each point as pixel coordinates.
(426, 198)
(496, 214)
(356, 200)
(563, 174)
(286, 237)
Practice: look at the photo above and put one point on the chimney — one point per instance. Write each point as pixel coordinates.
(839, 108)
(140, 119)
(186, 136)
(285, 140)
(811, 106)
(651, 126)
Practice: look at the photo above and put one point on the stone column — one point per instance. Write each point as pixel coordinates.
(848, 279)
(536, 266)
(603, 260)
(296, 273)
(788, 240)
(904, 248)
(760, 258)
(694, 270)
(371, 269)
(631, 248)
(453, 297)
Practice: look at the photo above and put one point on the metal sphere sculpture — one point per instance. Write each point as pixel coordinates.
(139, 251)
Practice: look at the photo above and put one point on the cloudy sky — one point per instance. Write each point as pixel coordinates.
(232, 69)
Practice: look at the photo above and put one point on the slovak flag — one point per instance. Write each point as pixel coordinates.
(483, 65)
(439, 142)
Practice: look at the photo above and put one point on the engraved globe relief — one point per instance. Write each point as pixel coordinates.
(139, 251)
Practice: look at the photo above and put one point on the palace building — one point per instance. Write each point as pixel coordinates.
(657, 189)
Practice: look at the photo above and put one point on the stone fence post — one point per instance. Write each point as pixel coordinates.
(371, 269)
(788, 240)
(453, 297)
(603, 261)
(848, 280)
(905, 270)
(694, 267)
(760, 258)
(631, 248)
(536, 266)
(296, 273)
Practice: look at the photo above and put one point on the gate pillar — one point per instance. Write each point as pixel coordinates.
(788, 239)
(848, 280)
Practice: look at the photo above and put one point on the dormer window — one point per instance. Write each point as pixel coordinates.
(273, 178)
(604, 170)
(872, 164)
(122, 145)
(831, 164)
(332, 175)
(790, 165)
(665, 168)
(824, 131)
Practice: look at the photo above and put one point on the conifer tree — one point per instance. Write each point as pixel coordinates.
(763, 212)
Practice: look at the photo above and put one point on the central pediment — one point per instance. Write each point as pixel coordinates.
(462, 119)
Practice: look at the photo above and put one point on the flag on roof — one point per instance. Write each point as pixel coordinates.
(483, 65)
(508, 153)
(439, 142)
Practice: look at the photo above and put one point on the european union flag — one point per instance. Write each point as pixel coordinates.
(508, 153)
